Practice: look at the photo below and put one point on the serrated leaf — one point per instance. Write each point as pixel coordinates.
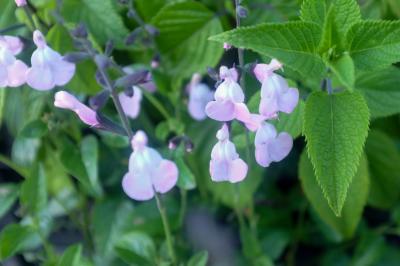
(293, 43)
(352, 209)
(374, 44)
(313, 11)
(330, 38)
(381, 91)
(71, 257)
(199, 259)
(335, 127)
(384, 166)
(184, 28)
(347, 12)
(100, 16)
(343, 68)
(34, 191)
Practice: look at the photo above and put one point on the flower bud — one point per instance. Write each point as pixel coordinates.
(99, 100)
(153, 31)
(132, 37)
(241, 11)
(132, 79)
(109, 47)
(75, 57)
(20, 3)
(80, 31)
(102, 61)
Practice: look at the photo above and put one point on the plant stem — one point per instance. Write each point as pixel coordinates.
(11, 28)
(240, 51)
(167, 229)
(183, 206)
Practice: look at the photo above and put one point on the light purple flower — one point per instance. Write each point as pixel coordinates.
(199, 95)
(276, 96)
(228, 104)
(20, 2)
(271, 147)
(48, 67)
(131, 105)
(148, 172)
(66, 100)
(225, 164)
(12, 70)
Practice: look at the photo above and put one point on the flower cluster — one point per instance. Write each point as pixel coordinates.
(228, 105)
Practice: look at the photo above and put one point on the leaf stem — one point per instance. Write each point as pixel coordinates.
(11, 28)
(167, 229)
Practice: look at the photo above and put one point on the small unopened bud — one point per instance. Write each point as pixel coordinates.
(131, 13)
(123, 2)
(99, 100)
(109, 47)
(227, 46)
(174, 142)
(132, 79)
(75, 57)
(133, 36)
(171, 145)
(99, 78)
(241, 11)
(153, 31)
(189, 145)
(212, 73)
(80, 31)
(129, 91)
(155, 62)
(20, 2)
(102, 61)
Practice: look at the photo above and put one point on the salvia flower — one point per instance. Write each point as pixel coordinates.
(271, 146)
(20, 2)
(199, 95)
(148, 172)
(229, 98)
(48, 69)
(276, 95)
(66, 100)
(131, 104)
(12, 70)
(225, 164)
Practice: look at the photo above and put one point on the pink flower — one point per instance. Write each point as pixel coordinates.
(276, 96)
(66, 100)
(148, 171)
(12, 70)
(48, 67)
(227, 46)
(199, 95)
(271, 147)
(225, 164)
(131, 105)
(20, 2)
(228, 104)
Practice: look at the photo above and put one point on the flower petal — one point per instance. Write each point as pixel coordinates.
(14, 44)
(289, 100)
(63, 72)
(265, 134)
(219, 170)
(221, 110)
(17, 73)
(238, 171)
(137, 187)
(131, 105)
(166, 176)
(280, 147)
(40, 78)
(262, 155)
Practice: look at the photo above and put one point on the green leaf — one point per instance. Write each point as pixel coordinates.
(184, 28)
(381, 91)
(8, 195)
(24, 151)
(313, 11)
(330, 38)
(199, 259)
(84, 78)
(347, 12)
(346, 224)
(7, 17)
(71, 159)
(100, 16)
(34, 129)
(384, 166)
(335, 127)
(291, 123)
(90, 158)
(110, 220)
(2, 101)
(71, 257)
(13, 238)
(34, 191)
(136, 248)
(186, 179)
(374, 44)
(148, 9)
(293, 43)
(343, 68)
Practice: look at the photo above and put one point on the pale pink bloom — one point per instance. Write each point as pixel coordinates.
(276, 96)
(199, 95)
(148, 172)
(227, 46)
(20, 2)
(228, 104)
(12, 70)
(271, 147)
(48, 69)
(225, 164)
(131, 105)
(66, 100)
